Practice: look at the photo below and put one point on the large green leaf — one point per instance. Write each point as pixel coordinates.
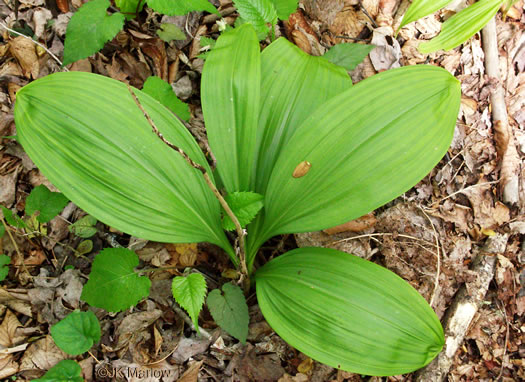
(294, 84)
(64, 371)
(86, 134)
(347, 312)
(231, 81)
(366, 146)
(462, 26)
(422, 8)
(181, 7)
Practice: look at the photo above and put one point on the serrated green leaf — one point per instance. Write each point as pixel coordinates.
(348, 55)
(181, 7)
(100, 151)
(207, 41)
(13, 219)
(47, 203)
(129, 7)
(64, 371)
(169, 32)
(163, 92)
(372, 143)
(84, 227)
(89, 29)
(284, 8)
(347, 312)
(230, 90)
(4, 269)
(189, 292)
(422, 8)
(113, 284)
(229, 310)
(259, 13)
(244, 205)
(84, 247)
(462, 26)
(77, 332)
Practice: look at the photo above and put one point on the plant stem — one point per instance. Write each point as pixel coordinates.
(241, 250)
(35, 42)
(7, 228)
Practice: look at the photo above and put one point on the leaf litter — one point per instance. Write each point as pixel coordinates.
(447, 216)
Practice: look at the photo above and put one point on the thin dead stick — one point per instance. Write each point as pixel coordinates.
(438, 271)
(371, 235)
(240, 232)
(367, 14)
(15, 245)
(95, 358)
(503, 134)
(188, 321)
(35, 42)
(461, 191)
(464, 307)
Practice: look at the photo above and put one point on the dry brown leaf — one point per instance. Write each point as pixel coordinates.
(81, 66)
(134, 326)
(8, 331)
(387, 51)
(7, 188)
(42, 355)
(63, 5)
(192, 373)
(8, 366)
(24, 52)
(14, 303)
(306, 366)
(302, 34)
(358, 225)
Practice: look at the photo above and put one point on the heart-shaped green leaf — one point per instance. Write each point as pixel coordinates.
(365, 147)
(64, 371)
(87, 135)
(230, 89)
(113, 283)
(76, 333)
(47, 203)
(229, 310)
(347, 312)
(189, 293)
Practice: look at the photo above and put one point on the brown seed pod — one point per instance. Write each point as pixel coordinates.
(302, 169)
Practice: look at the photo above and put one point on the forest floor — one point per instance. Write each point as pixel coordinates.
(430, 236)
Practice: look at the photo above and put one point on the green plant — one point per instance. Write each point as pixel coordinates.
(281, 124)
(65, 370)
(91, 27)
(460, 27)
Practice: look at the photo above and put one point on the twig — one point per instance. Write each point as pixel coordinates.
(463, 309)
(507, 333)
(503, 135)
(188, 321)
(462, 191)
(438, 271)
(95, 358)
(37, 43)
(15, 245)
(367, 14)
(240, 232)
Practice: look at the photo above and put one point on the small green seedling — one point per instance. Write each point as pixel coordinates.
(311, 149)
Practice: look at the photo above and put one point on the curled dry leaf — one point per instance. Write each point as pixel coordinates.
(23, 50)
(360, 224)
(63, 5)
(42, 355)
